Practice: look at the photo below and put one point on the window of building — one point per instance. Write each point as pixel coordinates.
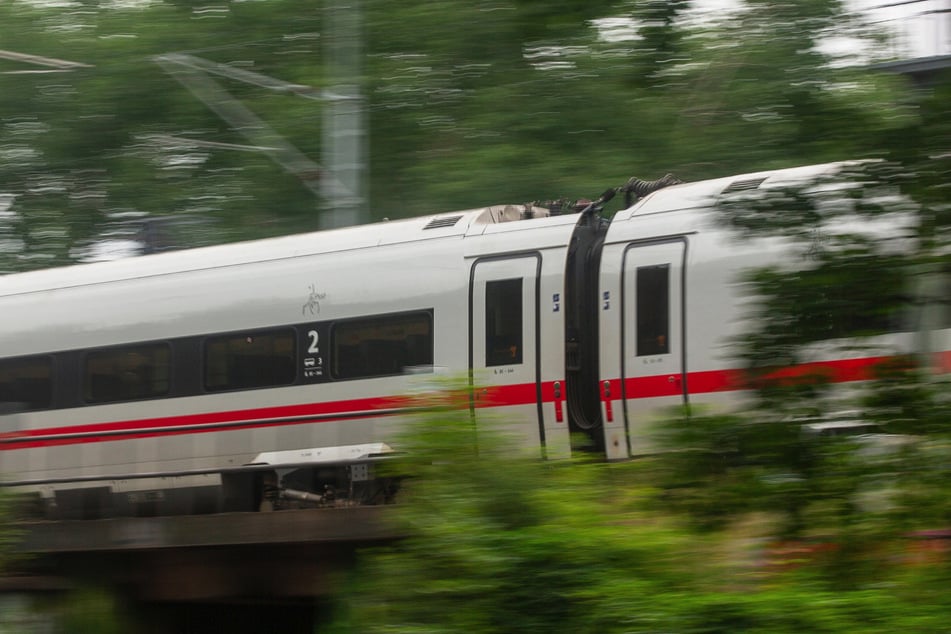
(26, 384)
(382, 346)
(653, 310)
(128, 373)
(250, 360)
(503, 322)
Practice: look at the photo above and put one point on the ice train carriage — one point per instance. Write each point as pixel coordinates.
(194, 381)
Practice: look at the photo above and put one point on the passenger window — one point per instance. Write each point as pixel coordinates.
(653, 310)
(26, 384)
(503, 322)
(127, 373)
(250, 360)
(385, 345)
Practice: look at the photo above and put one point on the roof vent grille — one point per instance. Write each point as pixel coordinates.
(744, 185)
(442, 222)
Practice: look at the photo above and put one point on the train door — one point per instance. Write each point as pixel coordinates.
(652, 337)
(504, 346)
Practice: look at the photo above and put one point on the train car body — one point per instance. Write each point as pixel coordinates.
(674, 306)
(152, 376)
(208, 379)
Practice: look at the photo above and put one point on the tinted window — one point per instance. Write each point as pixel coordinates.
(381, 346)
(653, 310)
(503, 322)
(127, 373)
(250, 360)
(25, 384)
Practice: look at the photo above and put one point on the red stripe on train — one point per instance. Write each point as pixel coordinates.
(308, 413)
(214, 421)
(840, 371)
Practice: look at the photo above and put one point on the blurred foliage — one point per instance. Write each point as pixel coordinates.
(9, 535)
(467, 104)
(722, 467)
(864, 276)
(89, 609)
(500, 543)
(81, 610)
(474, 103)
(852, 247)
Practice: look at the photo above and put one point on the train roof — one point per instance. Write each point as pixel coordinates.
(450, 225)
(702, 194)
(446, 225)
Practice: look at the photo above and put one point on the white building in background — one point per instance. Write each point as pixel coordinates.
(919, 28)
(920, 44)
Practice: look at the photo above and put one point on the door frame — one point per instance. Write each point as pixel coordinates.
(630, 248)
(535, 327)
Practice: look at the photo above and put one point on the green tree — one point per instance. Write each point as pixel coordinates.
(468, 104)
(864, 275)
(497, 542)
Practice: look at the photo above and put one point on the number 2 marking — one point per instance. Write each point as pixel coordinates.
(313, 349)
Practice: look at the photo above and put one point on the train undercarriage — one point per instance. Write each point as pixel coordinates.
(333, 477)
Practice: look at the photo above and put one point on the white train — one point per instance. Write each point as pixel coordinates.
(241, 376)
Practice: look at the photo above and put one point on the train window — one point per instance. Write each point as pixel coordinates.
(503, 322)
(381, 346)
(26, 384)
(250, 360)
(653, 310)
(127, 373)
